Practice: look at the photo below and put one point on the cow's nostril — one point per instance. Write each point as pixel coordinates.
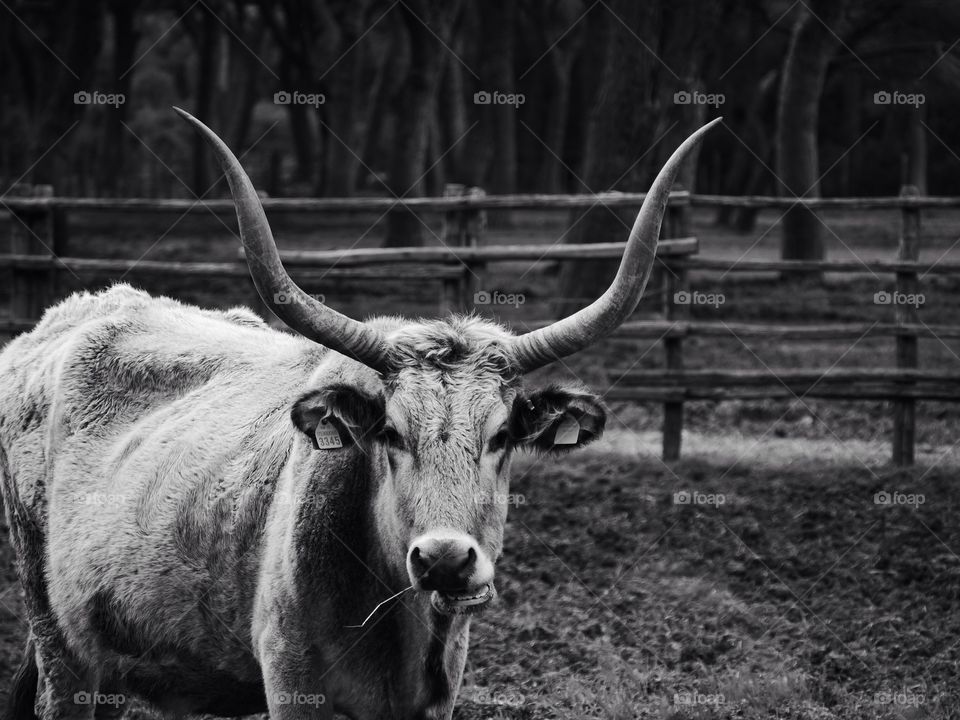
(446, 564)
(419, 561)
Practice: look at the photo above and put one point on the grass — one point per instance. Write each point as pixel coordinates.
(797, 598)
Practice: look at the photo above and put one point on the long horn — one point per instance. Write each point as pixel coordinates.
(300, 312)
(607, 313)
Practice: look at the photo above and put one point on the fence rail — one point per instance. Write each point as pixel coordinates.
(40, 233)
(445, 204)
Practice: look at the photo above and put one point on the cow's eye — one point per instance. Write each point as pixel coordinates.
(392, 437)
(500, 440)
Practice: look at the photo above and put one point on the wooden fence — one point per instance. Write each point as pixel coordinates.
(39, 252)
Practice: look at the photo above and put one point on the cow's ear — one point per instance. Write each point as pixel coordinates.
(557, 419)
(338, 415)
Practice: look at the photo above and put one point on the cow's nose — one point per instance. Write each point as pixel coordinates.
(446, 564)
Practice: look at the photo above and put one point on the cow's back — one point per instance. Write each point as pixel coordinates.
(145, 437)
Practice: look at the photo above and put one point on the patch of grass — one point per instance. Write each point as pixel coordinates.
(796, 598)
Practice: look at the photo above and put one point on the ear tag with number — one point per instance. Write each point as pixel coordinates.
(568, 432)
(328, 438)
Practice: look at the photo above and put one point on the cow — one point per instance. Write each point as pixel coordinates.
(220, 517)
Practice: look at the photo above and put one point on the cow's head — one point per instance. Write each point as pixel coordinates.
(440, 428)
(440, 406)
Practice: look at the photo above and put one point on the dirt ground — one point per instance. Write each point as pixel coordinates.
(802, 594)
(795, 596)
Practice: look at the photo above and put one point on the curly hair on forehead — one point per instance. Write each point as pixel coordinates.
(456, 343)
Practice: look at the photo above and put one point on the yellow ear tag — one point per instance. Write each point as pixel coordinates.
(568, 432)
(327, 436)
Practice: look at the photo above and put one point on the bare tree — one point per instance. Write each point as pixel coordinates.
(429, 26)
(813, 43)
(652, 52)
(562, 37)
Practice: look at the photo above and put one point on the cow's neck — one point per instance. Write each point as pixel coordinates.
(412, 651)
(428, 647)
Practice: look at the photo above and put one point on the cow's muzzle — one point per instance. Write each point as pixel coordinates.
(454, 569)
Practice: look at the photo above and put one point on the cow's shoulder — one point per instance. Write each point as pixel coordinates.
(98, 355)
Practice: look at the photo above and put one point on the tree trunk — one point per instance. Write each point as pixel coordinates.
(500, 22)
(413, 106)
(614, 145)
(551, 176)
(353, 114)
(917, 149)
(77, 37)
(812, 46)
(852, 127)
(125, 37)
(302, 132)
(453, 120)
(249, 65)
(206, 67)
(628, 117)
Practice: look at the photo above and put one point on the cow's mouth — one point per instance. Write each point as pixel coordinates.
(467, 603)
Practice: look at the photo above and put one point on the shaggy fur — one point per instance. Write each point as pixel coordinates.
(180, 537)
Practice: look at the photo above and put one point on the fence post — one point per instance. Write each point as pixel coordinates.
(32, 233)
(904, 409)
(462, 228)
(451, 234)
(675, 281)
